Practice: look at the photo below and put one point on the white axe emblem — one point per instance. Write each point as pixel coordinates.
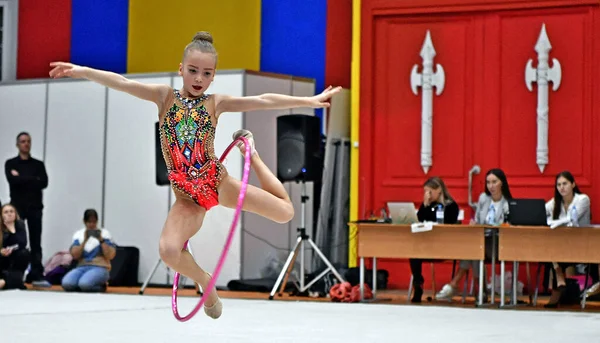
(542, 75)
(427, 80)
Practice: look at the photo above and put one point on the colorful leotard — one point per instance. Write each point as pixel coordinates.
(187, 141)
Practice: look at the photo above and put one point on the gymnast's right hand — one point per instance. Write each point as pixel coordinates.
(64, 69)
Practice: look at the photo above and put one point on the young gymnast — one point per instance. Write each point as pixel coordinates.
(188, 118)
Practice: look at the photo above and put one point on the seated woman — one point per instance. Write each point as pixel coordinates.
(93, 250)
(567, 199)
(14, 256)
(436, 194)
(491, 210)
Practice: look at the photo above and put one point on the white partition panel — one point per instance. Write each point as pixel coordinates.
(208, 243)
(301, 87)
(265, 239)
(22, 108)
(135, 207)
(74, 160)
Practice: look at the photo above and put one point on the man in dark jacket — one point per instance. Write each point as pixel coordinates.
(27, 178)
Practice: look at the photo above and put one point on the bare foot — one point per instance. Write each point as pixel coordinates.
(2, 284)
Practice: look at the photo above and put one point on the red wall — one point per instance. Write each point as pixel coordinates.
(338, 52)
(44, 36)
(485, 115)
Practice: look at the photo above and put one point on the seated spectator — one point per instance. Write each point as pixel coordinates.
(436, 193)
(492, 208)
(14, 256)
(567, 200)
(93, 250)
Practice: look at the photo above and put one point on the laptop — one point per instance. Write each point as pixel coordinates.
(402, 212)
(530, 212)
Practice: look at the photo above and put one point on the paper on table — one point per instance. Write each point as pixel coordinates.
(421, 227)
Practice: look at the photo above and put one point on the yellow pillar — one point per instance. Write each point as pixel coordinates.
(354, 128)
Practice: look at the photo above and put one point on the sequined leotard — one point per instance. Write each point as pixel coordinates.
(187, 141)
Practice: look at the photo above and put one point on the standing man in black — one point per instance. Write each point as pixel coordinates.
(27, 178)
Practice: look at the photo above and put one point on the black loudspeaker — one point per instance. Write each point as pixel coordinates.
(124, 267)
(299, 148)
(162, 176)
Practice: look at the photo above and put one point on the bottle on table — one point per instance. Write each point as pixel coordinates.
(439, 214)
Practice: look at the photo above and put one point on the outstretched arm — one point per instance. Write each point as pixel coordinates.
(151, 92)
(270, 101)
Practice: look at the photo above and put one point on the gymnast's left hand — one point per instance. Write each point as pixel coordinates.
(321, 100)
(64, 69)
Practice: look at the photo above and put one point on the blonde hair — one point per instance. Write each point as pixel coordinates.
(437, 183)
(203, 42)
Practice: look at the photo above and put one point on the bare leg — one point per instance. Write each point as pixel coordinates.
(560, 287)
(2, 283)
(183, 222)
(270, 201)
(560, 276)
(257, 201)
(459, 275)
(268, 181)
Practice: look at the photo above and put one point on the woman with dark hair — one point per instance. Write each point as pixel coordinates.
(491, 210)
(573, 207)
(568, 200)
(14, 256)
(93, 250)
(436, 194)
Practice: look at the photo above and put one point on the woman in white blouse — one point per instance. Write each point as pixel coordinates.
(568, 197)
(572, 207)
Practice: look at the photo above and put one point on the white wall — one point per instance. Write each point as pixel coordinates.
(99, 150)
(135, 208)
(74, 160)
(22, 108)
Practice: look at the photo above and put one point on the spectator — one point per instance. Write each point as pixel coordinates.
(567, 197)
(436, 193)
(14, 256)
(93, 250)
(27, 178)
(492, 208)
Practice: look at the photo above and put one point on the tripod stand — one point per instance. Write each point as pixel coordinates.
(182, 279)
(299, 248)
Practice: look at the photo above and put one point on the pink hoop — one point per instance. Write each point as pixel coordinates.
(236, 218)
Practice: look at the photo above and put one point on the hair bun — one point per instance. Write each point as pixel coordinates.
(203, 36)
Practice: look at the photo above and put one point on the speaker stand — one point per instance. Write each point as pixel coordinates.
(303, 238)
(182, 279)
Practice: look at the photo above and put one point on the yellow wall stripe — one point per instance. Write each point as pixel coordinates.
(354, 134)
(159, 30)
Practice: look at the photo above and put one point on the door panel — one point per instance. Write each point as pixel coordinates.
(568, 118)
(397, 113)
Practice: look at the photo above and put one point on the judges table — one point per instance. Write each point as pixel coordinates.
(543, 244)
(460, 242)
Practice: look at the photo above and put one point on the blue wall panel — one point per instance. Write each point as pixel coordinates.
(293, 38)
(99, 34)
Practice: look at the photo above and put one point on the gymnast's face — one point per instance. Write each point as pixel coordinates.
(198, 72)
